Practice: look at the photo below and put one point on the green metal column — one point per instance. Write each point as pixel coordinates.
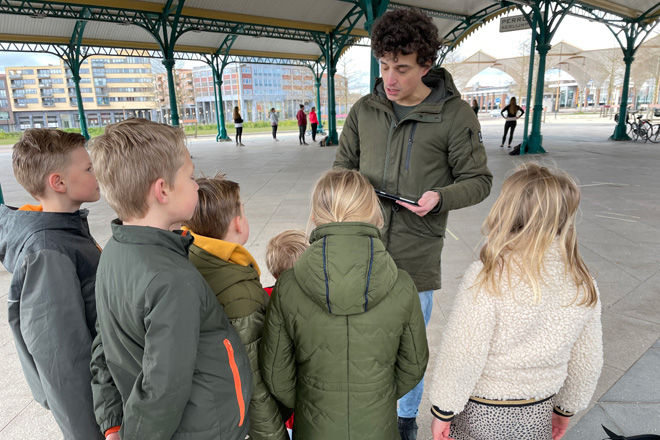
(530, 80)
(81, 109)
(620, 129)
(174, 112)
(317, 84)
(219, 107)
(535, 140)
(373, 9)
(2, 199)
(331, 70)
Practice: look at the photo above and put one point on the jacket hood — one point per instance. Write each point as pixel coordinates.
(346, 270)
(438, 79)
(17, 226)
(225, 250)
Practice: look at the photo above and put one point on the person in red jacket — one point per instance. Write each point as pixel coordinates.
(314, 121)
(302, 124)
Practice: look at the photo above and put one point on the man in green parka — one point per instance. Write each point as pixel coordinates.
(415, 137)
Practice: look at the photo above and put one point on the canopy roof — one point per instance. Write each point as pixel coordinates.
(284, 29)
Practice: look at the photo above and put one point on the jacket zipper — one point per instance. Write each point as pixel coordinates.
(410, 143)
(237, 380)
(387, 155)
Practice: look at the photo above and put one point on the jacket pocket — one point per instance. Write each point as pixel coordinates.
(410, 144)
(237, 380)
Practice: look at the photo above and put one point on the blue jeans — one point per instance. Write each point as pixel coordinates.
(409, 404)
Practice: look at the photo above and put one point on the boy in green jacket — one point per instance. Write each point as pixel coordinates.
(165, 353)
(220, 229)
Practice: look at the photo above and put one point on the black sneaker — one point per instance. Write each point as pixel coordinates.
(501, 146)
(408, 428)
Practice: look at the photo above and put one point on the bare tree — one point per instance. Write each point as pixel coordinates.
(352, 86)
(453, 63)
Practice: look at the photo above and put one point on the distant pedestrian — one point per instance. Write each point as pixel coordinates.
(238, 123)
(273, 122)
(511, 117)
(314, 121)
(302, 124)
(475, 106)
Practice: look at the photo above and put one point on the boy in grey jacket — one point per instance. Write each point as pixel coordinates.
(165, 357)
(53, 258)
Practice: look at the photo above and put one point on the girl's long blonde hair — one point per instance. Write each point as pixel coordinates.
(345, 196)
(535, 207)
(513, 106)
(236, 113)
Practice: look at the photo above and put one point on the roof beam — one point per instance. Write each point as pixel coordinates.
(90, 42)
(202, 19)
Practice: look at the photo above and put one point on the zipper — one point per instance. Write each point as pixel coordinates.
(237, 380)
(393, 126)
(410, 143)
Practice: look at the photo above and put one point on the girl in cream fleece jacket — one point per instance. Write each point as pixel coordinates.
(522, 350)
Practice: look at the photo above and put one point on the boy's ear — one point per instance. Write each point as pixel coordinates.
(237, 224)
(160, 191)
(55, 182)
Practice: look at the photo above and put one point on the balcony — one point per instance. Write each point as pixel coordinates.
(17, 85)
(20, 104)
(48, 103)
(46, 93)
(43, 75)
(16, 76)
(45, 84)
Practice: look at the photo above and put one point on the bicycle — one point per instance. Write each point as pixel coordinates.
(639, 129)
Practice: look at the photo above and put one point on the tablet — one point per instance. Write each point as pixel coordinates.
(393, 197)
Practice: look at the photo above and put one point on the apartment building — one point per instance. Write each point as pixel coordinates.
(185, 94)
(112, 89)
(6, 115)
(256, 88)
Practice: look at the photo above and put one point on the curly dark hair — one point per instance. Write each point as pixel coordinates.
(406, 31)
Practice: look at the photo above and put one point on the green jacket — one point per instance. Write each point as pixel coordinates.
(166, 353)
(238, 289)
(438, 147)
(344, 337)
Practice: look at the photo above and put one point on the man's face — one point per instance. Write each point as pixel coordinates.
(402, 79)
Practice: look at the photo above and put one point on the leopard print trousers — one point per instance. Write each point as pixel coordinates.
(481, 421)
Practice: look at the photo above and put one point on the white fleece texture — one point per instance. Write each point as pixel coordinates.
(508, 347)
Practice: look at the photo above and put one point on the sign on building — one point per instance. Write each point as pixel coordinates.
(513, 23)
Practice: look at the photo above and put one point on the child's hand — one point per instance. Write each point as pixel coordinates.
(559, 426)
(440, 429)
(427, 202)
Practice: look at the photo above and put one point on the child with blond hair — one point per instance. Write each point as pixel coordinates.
(221, 229)
(522, 350)
(283, 250)
(166, 357)
(344, 336)
(52, 256)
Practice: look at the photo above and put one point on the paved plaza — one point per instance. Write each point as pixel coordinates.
(619, 235)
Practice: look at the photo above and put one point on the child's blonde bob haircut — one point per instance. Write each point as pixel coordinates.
(41, 152)
(284, 249)
(345, 196)
(535, 208)
(130, 157)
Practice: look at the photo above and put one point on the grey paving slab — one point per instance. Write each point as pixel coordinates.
(626, 339)
(641, 383)
(589, 427)
(634, 418)
(643, 302)
(618, 235)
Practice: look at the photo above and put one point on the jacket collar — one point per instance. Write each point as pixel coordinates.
(225, 250)
(177, 241)
(344, 228)
(442, 89)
